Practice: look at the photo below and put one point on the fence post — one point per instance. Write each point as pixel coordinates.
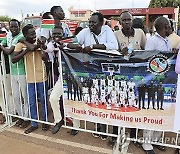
(3, 91)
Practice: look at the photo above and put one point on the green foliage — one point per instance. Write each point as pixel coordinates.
(164, 3)
(5, 18)
(115, 18)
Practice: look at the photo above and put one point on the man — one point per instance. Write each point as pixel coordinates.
(131, 84)
(69, 86)
(46, 15)
(128, 34)
(17, 71)
(46, 34)
(103, 95)
(141, 93)
(110, 82)
(160, 95)
(85, 93)
(75, 88)
(58, 15)
(174, 39)
(54, 47)
(114, 97)
(151, 89)
(97, 36)
(35, 74)
(157, 42)
(128, 37)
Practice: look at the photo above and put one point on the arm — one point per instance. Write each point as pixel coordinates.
(111, 42)
(19, 55)
(77, 47)
(7, 51)
(143, 41)
(31, 47)
(99, 46)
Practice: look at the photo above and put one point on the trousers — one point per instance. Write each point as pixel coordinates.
(19, 91)
(55, 99)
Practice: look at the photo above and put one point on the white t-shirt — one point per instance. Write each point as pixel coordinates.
(106, 37)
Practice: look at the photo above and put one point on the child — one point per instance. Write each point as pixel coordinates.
(54, 47)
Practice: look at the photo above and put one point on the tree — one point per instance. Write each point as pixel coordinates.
(164, 3)
(5, 18)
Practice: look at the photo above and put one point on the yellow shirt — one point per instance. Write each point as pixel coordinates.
(34, 65)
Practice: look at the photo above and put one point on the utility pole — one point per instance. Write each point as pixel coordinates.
(132, 3)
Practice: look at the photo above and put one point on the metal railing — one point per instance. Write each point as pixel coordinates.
(168, 139)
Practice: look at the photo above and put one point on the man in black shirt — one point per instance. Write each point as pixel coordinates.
(141, 91)
(160, 95)
(151, 89)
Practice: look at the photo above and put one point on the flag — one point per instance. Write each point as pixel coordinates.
(2, 37)
(47, 23)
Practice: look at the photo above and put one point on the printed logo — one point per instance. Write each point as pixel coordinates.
(158, 64)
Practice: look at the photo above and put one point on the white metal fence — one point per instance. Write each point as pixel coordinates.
(168, 139)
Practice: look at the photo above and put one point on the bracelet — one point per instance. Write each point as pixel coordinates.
(91, 46)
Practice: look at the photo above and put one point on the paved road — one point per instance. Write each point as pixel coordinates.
(14, 141)
(10, 145)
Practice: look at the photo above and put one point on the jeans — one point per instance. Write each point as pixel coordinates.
(33, 90)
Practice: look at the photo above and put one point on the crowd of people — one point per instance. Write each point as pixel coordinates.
(28, 52)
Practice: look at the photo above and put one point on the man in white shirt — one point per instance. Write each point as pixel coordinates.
(96, 36)
(157, 42)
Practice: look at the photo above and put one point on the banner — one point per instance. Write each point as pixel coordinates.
(105, 88)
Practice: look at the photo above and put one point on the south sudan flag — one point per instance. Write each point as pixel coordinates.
(47, 23)
(2, 37)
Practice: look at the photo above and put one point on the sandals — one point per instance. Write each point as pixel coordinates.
(19, 122)
(2, 120)
(45, 127)
(25, 124)
(160, 147)
(30, 129)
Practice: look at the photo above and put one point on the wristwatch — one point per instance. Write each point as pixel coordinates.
(91, 46)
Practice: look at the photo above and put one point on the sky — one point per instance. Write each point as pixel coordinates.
(15, 8)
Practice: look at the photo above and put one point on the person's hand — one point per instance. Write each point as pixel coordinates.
(87, 49)
(21, 40)
(79, 48)
(41, 43)
(124, 51)
(61, 46)
(175, 51)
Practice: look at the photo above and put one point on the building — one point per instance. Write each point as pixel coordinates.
(171, 12)
(79, 15)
